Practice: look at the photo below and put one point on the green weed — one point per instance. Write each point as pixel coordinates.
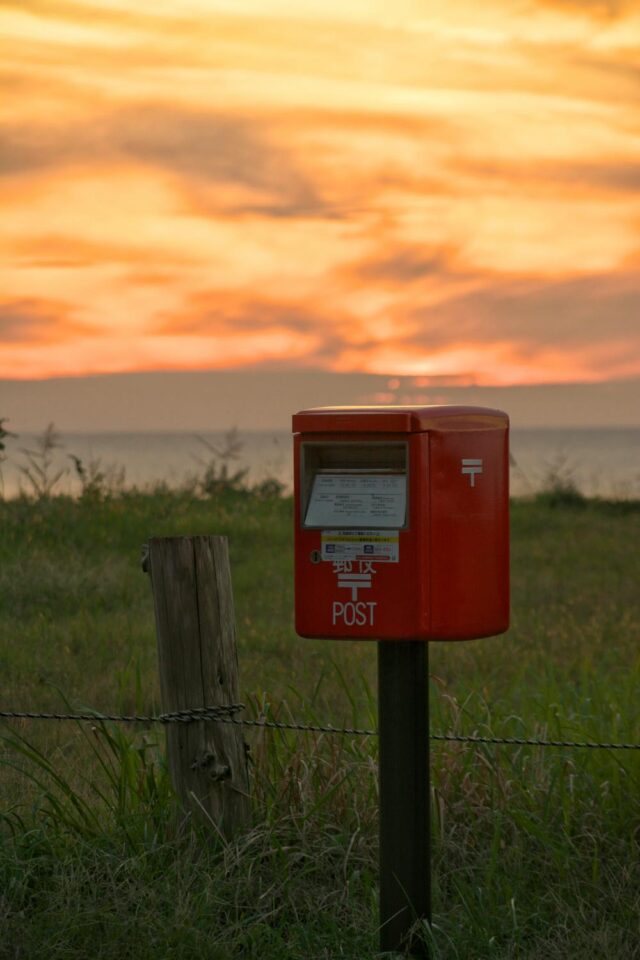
(535, 852)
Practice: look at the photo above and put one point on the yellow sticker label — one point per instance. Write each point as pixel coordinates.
(360, 545)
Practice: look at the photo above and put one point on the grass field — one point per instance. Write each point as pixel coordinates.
(536, 853)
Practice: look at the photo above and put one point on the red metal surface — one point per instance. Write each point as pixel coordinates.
(396, 419)
(451, 581)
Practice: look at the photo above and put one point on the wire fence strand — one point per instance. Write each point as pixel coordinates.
(177, 716)
(227, 714)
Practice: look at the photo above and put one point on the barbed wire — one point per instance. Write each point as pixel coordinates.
(455, 737)
(537, 742)
(227, 714)
(177, 716)
(303, 727)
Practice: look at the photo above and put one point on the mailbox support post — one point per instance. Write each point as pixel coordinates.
(403, 725)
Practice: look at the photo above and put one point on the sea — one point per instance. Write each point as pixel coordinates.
(599, 462)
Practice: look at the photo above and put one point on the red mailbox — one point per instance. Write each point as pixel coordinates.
(402, 522)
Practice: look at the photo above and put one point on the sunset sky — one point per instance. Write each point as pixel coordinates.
(444, 190)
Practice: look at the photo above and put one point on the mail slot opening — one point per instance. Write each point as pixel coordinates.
(354, 485)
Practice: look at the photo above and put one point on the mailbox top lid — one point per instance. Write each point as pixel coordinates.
(398, 419)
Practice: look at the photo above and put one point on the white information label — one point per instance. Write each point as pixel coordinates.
(345, 546)
(357, 500)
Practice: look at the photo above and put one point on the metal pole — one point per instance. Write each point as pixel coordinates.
(405, 862)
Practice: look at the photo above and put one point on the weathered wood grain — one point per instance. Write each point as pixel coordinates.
(195, 626)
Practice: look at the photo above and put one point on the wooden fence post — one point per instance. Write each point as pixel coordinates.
(195, 626)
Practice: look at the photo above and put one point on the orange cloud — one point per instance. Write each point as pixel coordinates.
(443, 192)
(32, 321)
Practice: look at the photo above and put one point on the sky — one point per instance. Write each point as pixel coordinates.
(446, 191)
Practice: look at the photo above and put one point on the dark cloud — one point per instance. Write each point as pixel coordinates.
(576, 312)
(212, 148)
(405, 264)
(25, 149)
(530, 313)
(597, 9)
(213, 312)
(222, 313)
(613, 176)
(200, 148)
(205, 200)
(27, 320)
(216, 313)
(619, 70)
